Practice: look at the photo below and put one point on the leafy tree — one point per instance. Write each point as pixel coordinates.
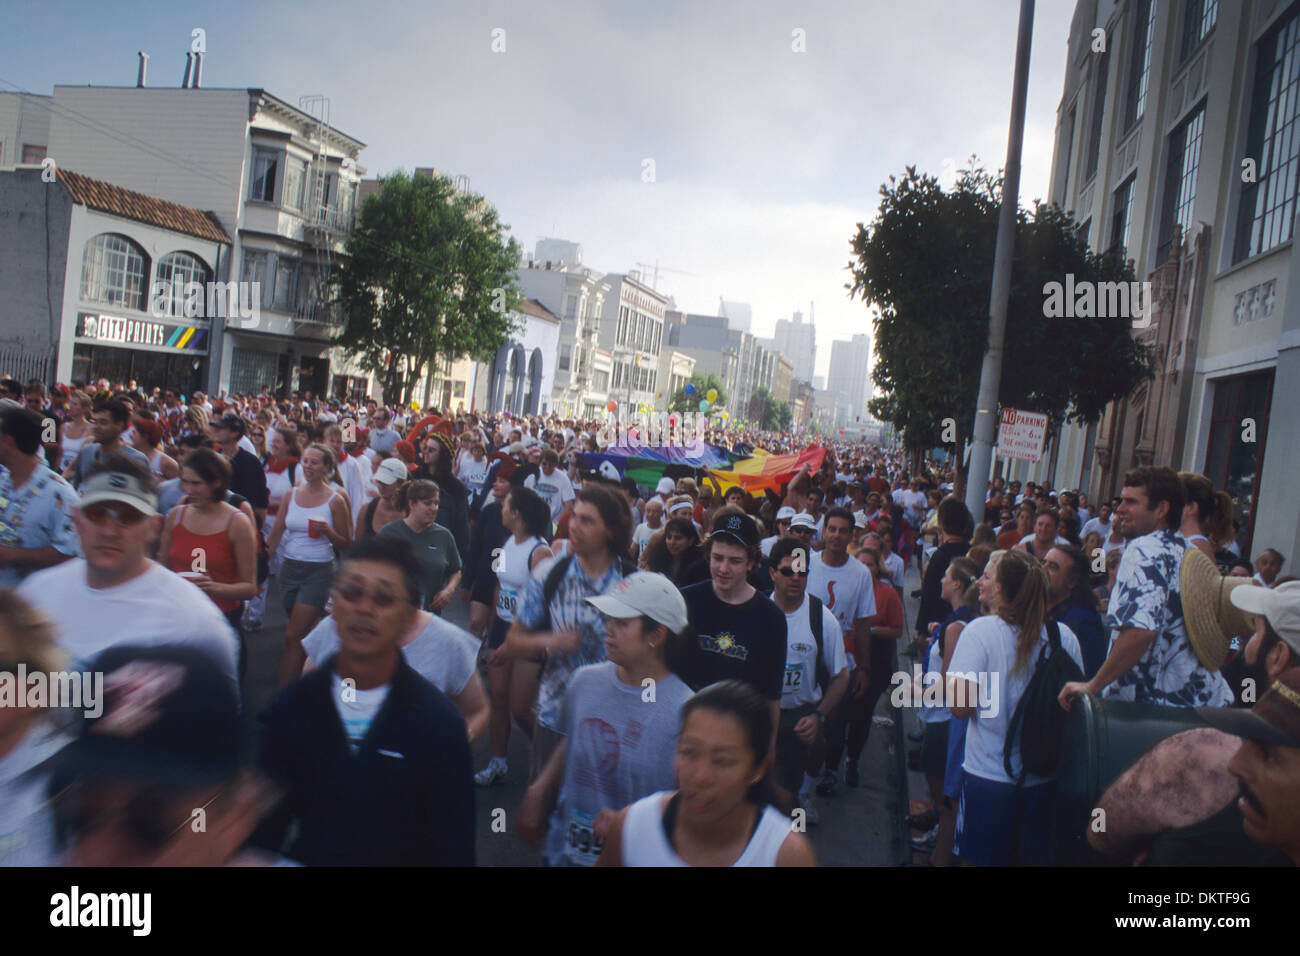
(768, 411)
(428, 276)
(681, 402)
(925, 267)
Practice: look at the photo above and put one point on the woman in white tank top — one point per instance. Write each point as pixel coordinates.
(312, 523)
(512, 685)
(717, 816)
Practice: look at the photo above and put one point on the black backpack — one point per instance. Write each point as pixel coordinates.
(556, 575)
(1039, 720)
(815, 623)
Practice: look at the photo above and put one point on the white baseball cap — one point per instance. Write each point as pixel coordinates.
(1281, 605)
(785, 514)
(648, 593)
(803, 520)
(666, 486)
(391, 471)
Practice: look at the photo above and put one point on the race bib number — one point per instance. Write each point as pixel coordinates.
(793, 677)
(584, 847)
(508, 602)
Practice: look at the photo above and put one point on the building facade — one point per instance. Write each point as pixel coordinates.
(577, 296)
(521, 378)
(1175, 143)
(797, 340)
(112, 298)
(632, 330)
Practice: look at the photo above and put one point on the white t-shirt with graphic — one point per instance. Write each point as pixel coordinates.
(555, 489)
(800, 683)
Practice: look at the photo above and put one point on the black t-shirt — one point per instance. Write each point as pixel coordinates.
(932, 606)
(248, 479)
(735, 641)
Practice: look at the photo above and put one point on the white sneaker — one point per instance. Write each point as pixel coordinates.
(491, 774)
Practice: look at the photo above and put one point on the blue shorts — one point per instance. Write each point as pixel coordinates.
(997, 827)
(952, 773)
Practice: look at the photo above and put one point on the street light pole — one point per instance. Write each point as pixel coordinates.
(986, 409)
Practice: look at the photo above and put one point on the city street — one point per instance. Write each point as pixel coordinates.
(859, 827)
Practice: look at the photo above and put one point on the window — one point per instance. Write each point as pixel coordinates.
(1122, 215)
(176, 271)
(1082, 230)
(1144, 25)
(254, 270)
(1064, 148)
(286, 284)
(295, 182)
(577, 358)
(565, 353)
(33, 155)
(600, 381)
(1183, 162)
(1232, 464)
(570, 306)
(113, 272)
(1098, 113)
(266, 164)
(1267, 215)
(1198, 21)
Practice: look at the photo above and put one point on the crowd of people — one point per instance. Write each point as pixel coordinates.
(694, 666)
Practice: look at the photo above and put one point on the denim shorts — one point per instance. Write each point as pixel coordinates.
(305, 582)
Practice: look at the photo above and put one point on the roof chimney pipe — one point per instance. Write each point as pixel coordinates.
(144, 65)
(189, 66)
(198, 71)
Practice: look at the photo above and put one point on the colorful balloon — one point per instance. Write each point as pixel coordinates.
(611, 406)
(712, 395)
(704, 406)
(690, 388)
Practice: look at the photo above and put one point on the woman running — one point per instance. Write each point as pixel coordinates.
(211, 542)
(512, 684)
(717, 816)
(148, 441)
(432, 543)
(634, 694)
(312, 522)
(76, 429)
(677, 553)
(390, 477)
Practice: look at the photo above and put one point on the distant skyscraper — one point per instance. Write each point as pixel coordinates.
(798, 342)
(739, 315)
(850, 376)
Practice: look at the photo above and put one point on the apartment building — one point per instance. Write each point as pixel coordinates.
(632, 329)
(1177, 142)
(576, 294)
(281, 181)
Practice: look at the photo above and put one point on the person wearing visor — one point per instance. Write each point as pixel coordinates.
(634, 696)
(115, 593)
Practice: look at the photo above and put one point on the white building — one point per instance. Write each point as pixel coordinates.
(24, 128)
(1177, 144)
(521, 378)
(797, 341)
(632, 329)
(279, 178)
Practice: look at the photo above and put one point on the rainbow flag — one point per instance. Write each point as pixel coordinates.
(767, 472)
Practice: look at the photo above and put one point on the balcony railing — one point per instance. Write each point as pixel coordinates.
(330, 219)
(315, 312)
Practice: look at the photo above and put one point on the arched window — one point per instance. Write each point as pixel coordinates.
(176, 271)
(113, 272)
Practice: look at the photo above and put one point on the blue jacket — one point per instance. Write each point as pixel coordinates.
(1087, 626)
(405, 799)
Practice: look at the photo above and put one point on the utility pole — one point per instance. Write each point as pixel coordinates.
(986, 409)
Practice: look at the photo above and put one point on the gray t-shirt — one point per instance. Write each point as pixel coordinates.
(443, 654)
(621, 743)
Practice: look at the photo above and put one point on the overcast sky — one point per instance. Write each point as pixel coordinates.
(764, 159)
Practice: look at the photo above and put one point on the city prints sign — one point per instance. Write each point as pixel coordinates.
(1021, 434)
(141, 333)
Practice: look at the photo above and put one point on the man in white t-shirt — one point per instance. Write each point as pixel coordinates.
(115, 594)
(805, 707)
(1099, 524)
(654, 520)
(551, 483)
(783, 518)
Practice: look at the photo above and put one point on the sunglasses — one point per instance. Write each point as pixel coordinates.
(124, 516)
(791, 573)
(353, 593)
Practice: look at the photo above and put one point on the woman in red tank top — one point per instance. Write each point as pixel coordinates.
(210, 542)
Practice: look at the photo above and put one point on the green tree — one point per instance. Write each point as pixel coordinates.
(429, 275)
(925, 268)
(681, 402)
(767, 411)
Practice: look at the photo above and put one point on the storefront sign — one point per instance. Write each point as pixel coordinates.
(140, 333)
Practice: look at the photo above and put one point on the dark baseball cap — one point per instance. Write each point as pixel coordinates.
(737, 527)
(170, 716)
(1274, 719)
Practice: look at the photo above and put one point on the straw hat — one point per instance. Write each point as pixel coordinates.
(1212, 620)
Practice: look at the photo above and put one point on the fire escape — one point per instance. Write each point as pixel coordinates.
(327, 219)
